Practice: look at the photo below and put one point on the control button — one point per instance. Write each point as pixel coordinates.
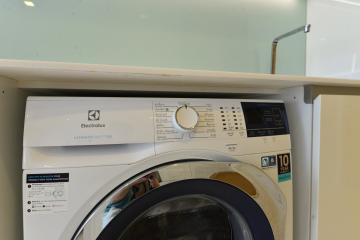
(186, 118)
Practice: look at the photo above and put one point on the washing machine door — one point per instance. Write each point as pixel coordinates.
(192, 200)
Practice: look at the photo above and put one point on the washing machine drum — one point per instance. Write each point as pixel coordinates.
(218, 205)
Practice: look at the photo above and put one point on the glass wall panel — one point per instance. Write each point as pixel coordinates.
(230, 35)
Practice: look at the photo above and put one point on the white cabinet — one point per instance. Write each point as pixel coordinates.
(336, 168)
(332, 47)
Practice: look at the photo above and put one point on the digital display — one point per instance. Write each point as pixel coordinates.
(265, 119)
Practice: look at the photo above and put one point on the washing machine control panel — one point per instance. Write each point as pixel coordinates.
(198, 119)
(218, 118)
(176, 120)
(232, 118)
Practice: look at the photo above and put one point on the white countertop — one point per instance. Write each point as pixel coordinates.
(58, 75)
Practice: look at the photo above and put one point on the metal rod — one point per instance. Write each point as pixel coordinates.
(276, 40)
(273, 57)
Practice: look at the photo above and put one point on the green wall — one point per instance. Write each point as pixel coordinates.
(231, 35)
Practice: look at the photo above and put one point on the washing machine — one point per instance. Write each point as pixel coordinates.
(156, 168)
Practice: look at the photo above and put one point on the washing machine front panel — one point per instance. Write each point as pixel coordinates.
(236, 135)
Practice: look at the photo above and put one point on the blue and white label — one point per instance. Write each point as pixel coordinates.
(46, 193)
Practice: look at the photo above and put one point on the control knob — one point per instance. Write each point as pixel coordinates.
(186, 118)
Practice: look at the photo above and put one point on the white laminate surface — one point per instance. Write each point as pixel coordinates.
(57, 75)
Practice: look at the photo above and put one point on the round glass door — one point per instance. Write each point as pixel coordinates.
(183, 218)
(196, 209)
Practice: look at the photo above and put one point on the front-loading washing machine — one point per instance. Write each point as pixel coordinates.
(156, 168)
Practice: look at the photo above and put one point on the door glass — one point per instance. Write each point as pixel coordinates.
(183, 218)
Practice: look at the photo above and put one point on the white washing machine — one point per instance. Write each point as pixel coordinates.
(156, 168)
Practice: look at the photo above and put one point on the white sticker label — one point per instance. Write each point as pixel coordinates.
(46, 193)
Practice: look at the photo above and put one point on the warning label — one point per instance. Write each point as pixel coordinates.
(46, 193)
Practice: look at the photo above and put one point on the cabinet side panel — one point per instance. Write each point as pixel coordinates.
(315, 168)
(336, 165)
(11, 126)
(300, 122)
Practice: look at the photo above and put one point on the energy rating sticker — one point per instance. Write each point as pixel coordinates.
(284, 167)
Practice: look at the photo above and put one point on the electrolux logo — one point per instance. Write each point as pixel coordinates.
(93, 115)
(92, 125)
